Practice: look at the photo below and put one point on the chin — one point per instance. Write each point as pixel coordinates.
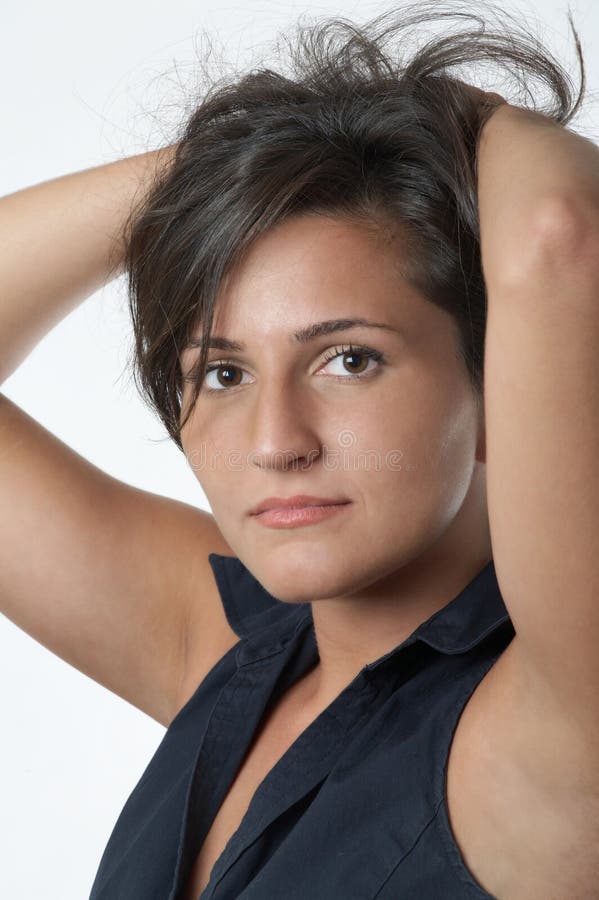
(305, 583)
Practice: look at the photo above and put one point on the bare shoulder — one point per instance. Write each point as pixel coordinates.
(520, 711)
(113, 579)
(207, 633)
(523, 787)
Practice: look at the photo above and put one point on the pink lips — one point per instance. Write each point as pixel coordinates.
(292, 514)
(297, 501)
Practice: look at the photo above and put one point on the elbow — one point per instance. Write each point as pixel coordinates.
(565, 230)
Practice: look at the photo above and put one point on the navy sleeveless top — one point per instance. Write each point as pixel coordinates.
(356, 807)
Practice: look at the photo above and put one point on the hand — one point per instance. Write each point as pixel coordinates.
(486, 101)
(484, 98)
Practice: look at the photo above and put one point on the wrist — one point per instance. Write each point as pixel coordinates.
(506, 117)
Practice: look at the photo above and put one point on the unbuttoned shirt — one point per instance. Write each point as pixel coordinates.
(356, 808)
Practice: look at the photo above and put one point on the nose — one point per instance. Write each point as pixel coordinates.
(283, 431)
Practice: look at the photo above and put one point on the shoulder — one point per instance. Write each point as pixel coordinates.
(234, 608)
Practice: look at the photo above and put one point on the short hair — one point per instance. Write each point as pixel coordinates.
(354, 130)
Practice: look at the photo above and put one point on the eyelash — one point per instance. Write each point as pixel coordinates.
(342, 350)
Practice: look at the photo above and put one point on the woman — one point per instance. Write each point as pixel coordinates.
(376, 658)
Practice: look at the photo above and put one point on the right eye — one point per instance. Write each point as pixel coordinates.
(230, 379)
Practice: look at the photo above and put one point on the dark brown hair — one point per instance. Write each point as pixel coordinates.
(353, 130)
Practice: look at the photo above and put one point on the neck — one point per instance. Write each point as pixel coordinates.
(352, 631)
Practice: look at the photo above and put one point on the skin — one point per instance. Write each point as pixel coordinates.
(417, 529)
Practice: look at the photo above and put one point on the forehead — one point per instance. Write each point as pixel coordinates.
(311, 268)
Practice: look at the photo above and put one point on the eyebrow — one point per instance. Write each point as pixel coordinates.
(303, 336)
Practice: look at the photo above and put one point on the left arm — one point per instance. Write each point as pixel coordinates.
(538, 196)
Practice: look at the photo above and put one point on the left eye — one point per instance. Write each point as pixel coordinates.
(359, 358)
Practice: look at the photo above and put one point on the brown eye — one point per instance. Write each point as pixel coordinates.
(358, 361)
(226, 374)
(355, 360)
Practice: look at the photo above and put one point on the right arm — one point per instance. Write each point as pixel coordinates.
(113, 579)
(60, 241)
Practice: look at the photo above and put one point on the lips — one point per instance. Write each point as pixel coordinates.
(296, 502)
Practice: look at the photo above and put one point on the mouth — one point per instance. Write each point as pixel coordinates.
(296, 516)
(298, 501)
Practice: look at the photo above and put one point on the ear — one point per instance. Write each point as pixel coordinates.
(481, 443)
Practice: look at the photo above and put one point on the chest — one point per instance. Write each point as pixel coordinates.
(518, 842)
(278, 730)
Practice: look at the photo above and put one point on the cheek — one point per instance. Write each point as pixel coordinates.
(421, 465)
(446, 477)
(213, 450)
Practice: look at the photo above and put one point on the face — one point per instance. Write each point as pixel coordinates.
(384, 418)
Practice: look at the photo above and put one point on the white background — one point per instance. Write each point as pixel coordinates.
(83, 84)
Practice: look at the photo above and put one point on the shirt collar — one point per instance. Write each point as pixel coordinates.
(464, 622)
(268, 623)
